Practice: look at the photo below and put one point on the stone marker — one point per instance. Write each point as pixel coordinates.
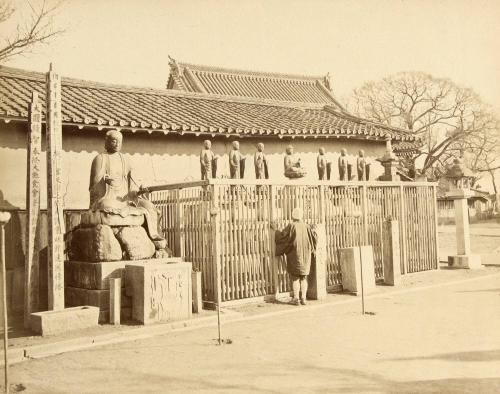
(350, 265)
(392, 259)
(160, 291)
(461, 180)
(317, 276)
(60, 321)
(55, 208)
(115, 300)
(31, 264)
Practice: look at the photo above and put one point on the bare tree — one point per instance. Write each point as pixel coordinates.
(443, 114)
(37, 28)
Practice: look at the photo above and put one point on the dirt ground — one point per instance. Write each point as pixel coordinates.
(436, 340)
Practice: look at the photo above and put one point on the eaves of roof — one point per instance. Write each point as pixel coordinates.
(98, 105)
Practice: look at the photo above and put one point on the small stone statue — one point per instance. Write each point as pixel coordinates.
(235, 161)
(361, 165)
(260, 162)
(321, 164)
(293, 168)
(207, 159)
(343, 164)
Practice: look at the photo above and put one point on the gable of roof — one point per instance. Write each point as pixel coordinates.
(103, 106)
(230, 82)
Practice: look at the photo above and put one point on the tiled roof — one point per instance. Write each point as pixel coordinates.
(281, 87)
(104, 106)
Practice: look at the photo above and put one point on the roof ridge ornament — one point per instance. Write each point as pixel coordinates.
(327, 81)
(174, 67)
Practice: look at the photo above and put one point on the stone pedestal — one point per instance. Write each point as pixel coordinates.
(64, 320)
(316, 289)
(350, 265)
(160, 291)
(463, 258)
(89, 284)
(392, 259)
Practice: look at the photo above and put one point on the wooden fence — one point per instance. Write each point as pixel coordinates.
(226, 224)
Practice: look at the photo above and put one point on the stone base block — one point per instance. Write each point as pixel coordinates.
(350, 265)
(95, 276)
(92, 276)
(135, 242)
(160, 291)
(96, 243)
(57, 322)
(468, 261)
(75, 296)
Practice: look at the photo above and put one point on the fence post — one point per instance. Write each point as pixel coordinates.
(272, 243)
(434, 193)
(216, 245)
(402, 220)
(178, 225)
(364, 210)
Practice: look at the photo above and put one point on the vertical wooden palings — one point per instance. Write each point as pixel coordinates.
(55, 203)
(402, 221)
(31, 274)
(272, 245)
(436, 234)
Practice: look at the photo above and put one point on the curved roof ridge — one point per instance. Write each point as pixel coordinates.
(265, 74)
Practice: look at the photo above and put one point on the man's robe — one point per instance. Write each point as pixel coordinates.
(297, 241)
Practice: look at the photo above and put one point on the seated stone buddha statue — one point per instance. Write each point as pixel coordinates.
(115, 198)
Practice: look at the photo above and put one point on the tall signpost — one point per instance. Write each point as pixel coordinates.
(55, 210)
(33, 209)
(4, 218)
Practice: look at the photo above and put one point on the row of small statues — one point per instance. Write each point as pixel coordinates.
(293, 168)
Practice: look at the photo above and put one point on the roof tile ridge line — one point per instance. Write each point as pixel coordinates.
(363, 120)
(81, 83)
(329, 94)
(21, 72)
(201, 67)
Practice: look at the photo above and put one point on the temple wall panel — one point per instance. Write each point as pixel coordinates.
(158, 159)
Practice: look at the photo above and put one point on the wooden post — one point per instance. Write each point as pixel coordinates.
(31, 265)
(435, 207)
(364, 210)
(272, 243)
(216, 247)
(55, 209)
(115, 304)
(179, 224)
(4, 218)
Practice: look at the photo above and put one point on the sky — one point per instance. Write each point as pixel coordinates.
(128, 41)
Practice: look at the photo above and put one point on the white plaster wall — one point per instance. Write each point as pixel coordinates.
(158, 159)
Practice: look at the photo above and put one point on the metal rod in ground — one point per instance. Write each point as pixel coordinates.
(4, 218)
(218, 322)
(362, 286)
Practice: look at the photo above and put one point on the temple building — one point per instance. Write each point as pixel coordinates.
(164, 128)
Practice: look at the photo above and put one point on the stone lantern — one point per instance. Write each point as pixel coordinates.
(390, 162)
(460, 178)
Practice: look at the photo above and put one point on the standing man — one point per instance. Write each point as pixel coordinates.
(298, 240)
(206, 159)
(234, 161)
